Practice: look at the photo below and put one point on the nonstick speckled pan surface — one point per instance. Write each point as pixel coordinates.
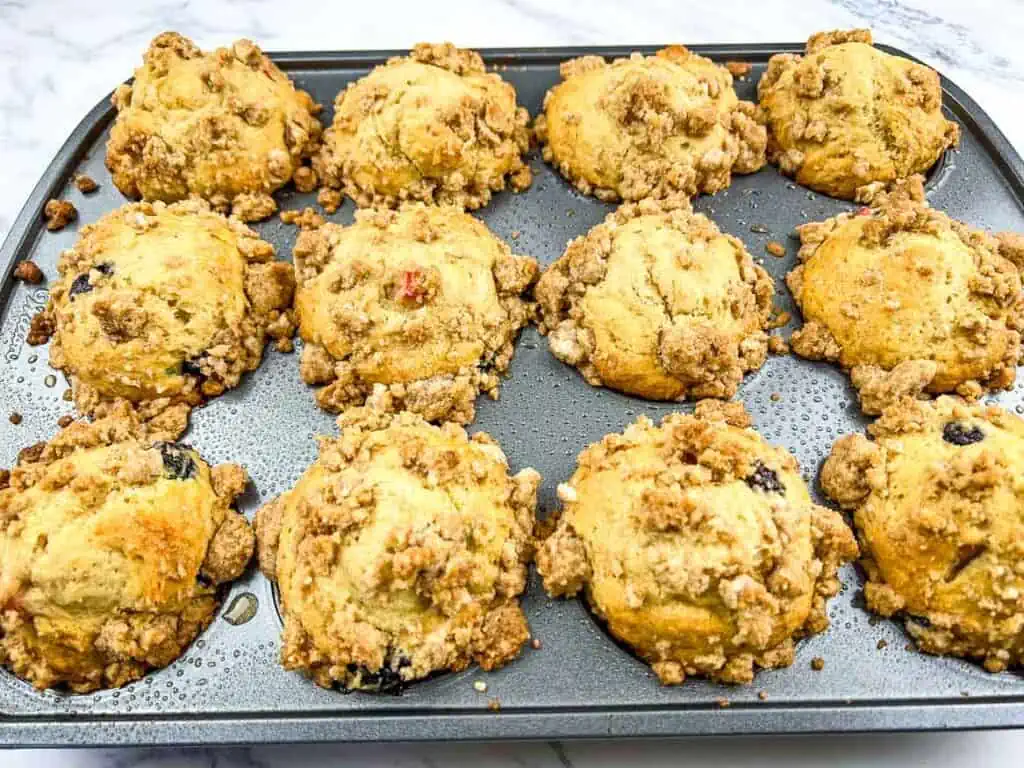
(229, 687)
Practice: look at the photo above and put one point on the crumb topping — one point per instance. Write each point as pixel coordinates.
(935, 494)
(651, 126)
(164, 306)
(440, 534)
(226, 125)
(909, 300)
(847, 116)
(698, 545)
(416, 309)
(112, 549)
(433, 126)
(656, 301)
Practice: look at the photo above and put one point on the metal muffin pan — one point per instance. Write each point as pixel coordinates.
(229, 688)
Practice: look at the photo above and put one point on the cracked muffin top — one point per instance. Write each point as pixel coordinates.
(657, 302)
(909, 300)
(697, 544)
(227, 126)
(111, 549)
(400, 552)
(936, 492)
(847, 115)
(433, 126)
(649, 126)
(164, 306)
(418, 308)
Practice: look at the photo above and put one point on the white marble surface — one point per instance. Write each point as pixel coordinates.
(59, 57)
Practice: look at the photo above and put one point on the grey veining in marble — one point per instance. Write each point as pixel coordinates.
(59, 57)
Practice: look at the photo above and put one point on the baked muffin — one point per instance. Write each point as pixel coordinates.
(227, 126)
(697, 544)
(418, 308)
(649, 126)
(657, 302)
(909, 300)
(847, 115)
(936, 493)
(164, 306)
(433, 126)
(112, 547)
(399, 553)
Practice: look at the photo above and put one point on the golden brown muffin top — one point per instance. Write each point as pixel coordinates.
(847, 115)
(400, 552)
(433, 126)
(698, 544)
(226, 125)
(420, 306)
(651, 126)
(111, 548)
(657, 302)
(909, 300)
(936, 494)
(164, 306)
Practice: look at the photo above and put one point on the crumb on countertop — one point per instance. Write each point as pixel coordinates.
(59, 213)
(29, 272)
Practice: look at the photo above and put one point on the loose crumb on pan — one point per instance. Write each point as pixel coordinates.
(480, 686)
(775, 248)
(307, 218)
(722, 702)
(305, 179)
(776, 397)
(762, 695)
(59, 213)
(29, 272)
(883, 643)
(817, 663)
(85, 184)
(494, 705)
(65, 421)
(329, 199)
(536, 644)
(739, 68)
(15, 418)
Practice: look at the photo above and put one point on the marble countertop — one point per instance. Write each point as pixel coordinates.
(58, 58)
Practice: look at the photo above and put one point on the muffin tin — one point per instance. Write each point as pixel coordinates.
(229, 686)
